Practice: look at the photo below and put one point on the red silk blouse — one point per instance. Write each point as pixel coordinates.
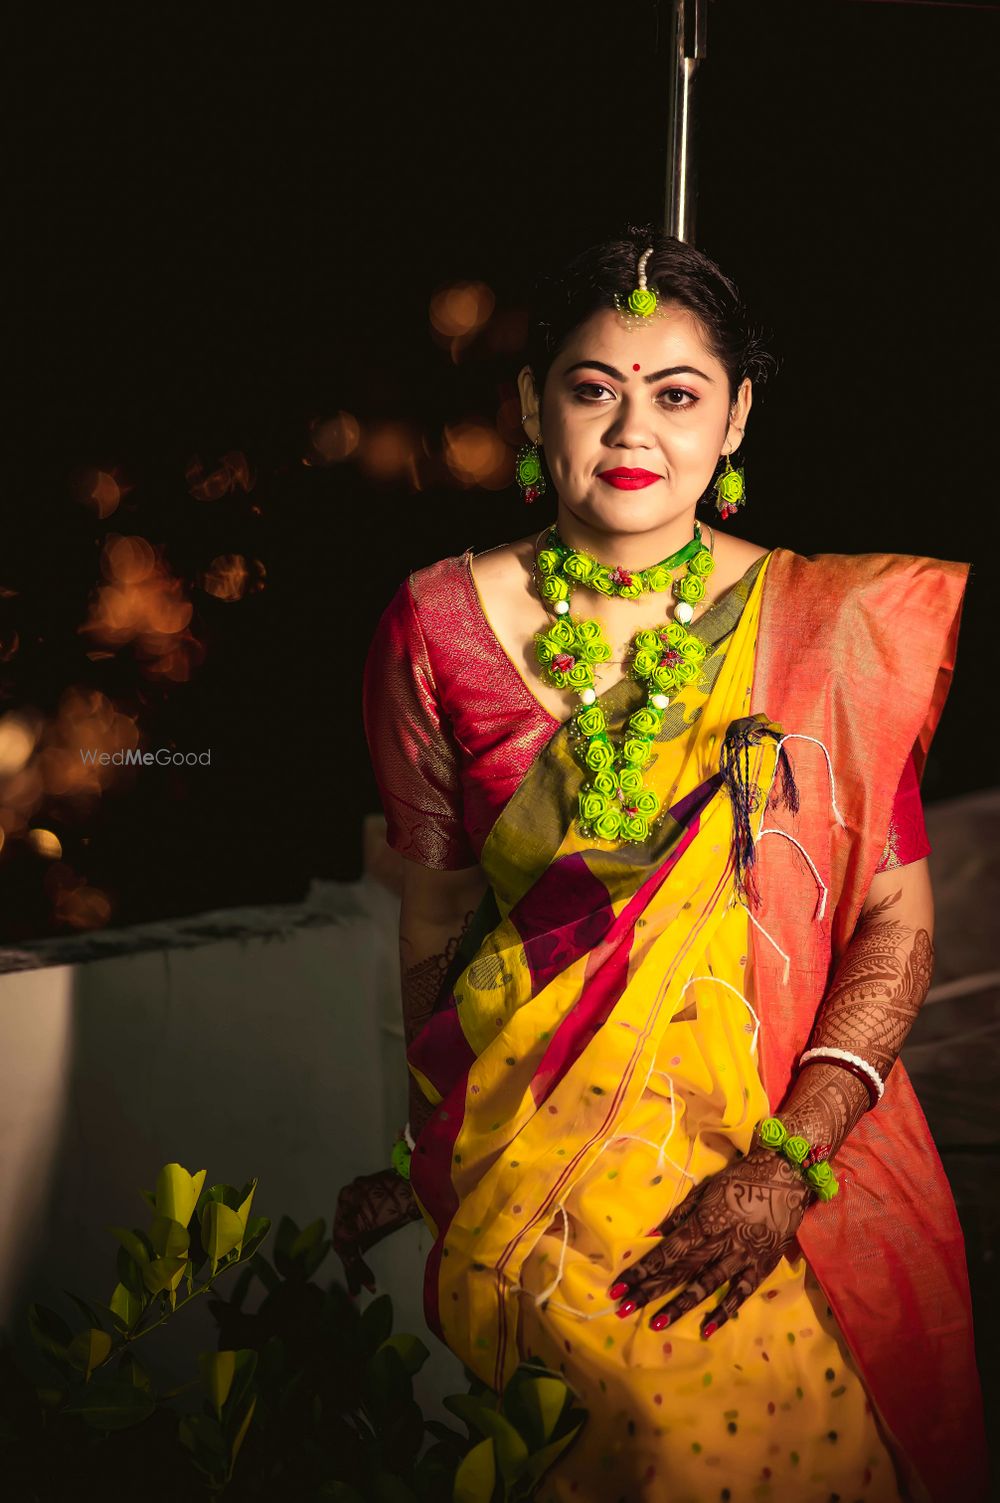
(452, 727)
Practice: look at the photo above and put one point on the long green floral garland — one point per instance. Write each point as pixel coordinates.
(614, 804)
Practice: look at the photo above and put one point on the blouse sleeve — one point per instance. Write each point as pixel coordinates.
(410, 742)
(906, 840)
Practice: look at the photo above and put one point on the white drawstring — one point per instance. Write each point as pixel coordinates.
(562, 1258)
(720, 982)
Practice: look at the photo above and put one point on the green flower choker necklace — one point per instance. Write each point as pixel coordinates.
(614, 804)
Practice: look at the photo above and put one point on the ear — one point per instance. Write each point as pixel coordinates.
(739, 413)
(529, 405)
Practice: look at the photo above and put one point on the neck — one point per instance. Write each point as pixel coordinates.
(632, 550)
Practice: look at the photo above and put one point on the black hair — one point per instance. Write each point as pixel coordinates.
(679, 273)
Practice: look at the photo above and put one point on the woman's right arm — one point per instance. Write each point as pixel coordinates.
(436, 909)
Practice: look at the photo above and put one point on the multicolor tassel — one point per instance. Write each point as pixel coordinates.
(734, 764)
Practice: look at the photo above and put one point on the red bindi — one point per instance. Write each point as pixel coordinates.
(635, 367)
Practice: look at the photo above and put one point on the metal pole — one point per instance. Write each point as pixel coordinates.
(687, 45)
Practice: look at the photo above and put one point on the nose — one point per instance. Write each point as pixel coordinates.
(630, 427)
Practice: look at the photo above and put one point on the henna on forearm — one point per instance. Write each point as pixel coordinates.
(420, 985)
(876, 994)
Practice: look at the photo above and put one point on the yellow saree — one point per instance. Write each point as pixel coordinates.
(596, 1057)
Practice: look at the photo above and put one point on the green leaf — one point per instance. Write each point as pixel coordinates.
(88, 1309)
(240, 1435)
(112, 1406)
(89, 1349)
(164, 1274)
(540, 1461)
(221, 1231)
(470, 1409)
(476, 1476)
(134, 1245)
(218, 1370)
(534, 1405)
(130, 1372)
(203, 1437)
(126, 1306)
(243, 1376)
(376, 1322)
(177, 1193)
(49, 1331)
(511, 1450)
(129, 1271)
(169, 1238)
(411, 1349)
(256, 1230)
(388, 1488)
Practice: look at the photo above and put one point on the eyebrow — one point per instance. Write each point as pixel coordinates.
(672, 370)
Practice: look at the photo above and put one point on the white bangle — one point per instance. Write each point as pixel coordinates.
(828, 1052)
(410, 1143)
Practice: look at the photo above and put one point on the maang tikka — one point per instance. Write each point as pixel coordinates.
(643, 303)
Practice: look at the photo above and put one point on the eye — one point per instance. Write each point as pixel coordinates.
(688, 398)
(585, 386)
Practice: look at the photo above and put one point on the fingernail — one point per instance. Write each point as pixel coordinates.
(653, 1232)
(660, 1322)
(617, 1290)
(713, 1325)
(627, 1308)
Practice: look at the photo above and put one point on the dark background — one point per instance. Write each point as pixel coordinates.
(231, 222)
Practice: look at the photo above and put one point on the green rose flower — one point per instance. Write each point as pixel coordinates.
(591, 720)
(588, 652)
(646, 721)
(675, 635)
(593, 804)
(666, 677)
(588, 631)
(795, 1149)
(823, 1180)
(729, 487)
(644, 663)
(642, 300)
(529, 469)
(702, 563)
(599, 755)
(553, 587)
(600, 651)
(646, 802)
(548, 560)
(694, 649)
(608, 825)
(772, 1132)
(686, 673)
(691, 589)
(544, 651)
(630, 780)
(630, 591)
(606, 781)
(602, 581)
(580, 676)
(635, 826)
(580, 566)
(658, 578)
(647, 641)
(561, 635)
(636, 751)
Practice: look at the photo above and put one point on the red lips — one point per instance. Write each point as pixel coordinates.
(628, 480)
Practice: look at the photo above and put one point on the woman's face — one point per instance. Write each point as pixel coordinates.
(653, 399)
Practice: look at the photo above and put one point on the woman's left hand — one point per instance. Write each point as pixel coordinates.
(733, 1227)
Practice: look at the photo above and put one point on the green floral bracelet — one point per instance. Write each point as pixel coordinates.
(816, 1171)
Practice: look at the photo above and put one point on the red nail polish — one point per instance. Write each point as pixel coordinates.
(653, 1232)
(661, 1322)
(712, 1326)
(617, 1290)
(627, 1308)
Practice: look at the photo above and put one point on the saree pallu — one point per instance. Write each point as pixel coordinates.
(593, 1056)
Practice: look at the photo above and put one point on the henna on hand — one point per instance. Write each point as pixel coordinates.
(877, 992)
(370, 1208)
(733, 1227)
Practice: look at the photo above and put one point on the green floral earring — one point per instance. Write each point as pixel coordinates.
(730, 491)
(528, 473)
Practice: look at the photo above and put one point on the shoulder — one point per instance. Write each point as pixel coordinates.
(903, 603)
